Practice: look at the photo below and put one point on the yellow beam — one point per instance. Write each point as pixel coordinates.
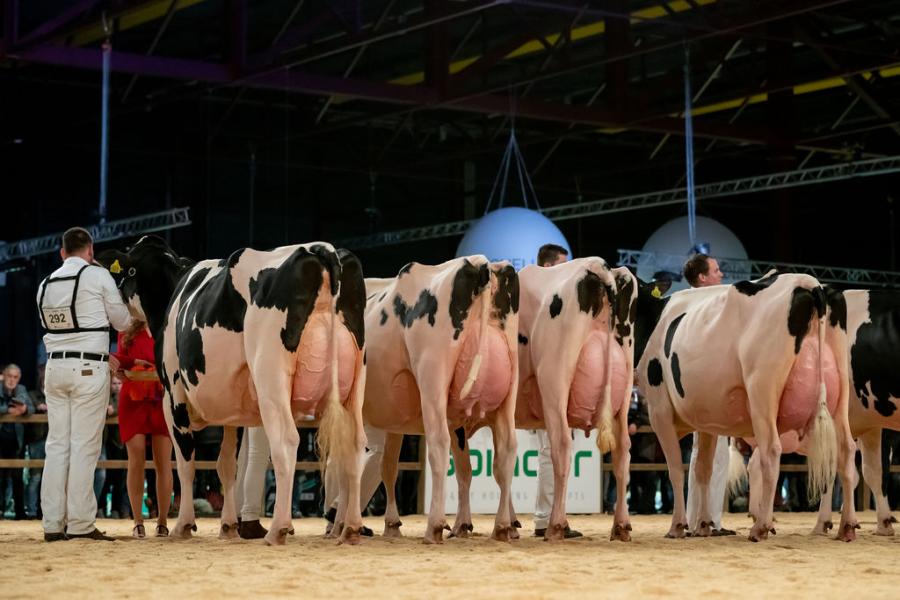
(578, 33)
(130, 18)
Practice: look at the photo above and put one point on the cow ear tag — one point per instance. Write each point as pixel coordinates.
(656, 293)
(115, 267)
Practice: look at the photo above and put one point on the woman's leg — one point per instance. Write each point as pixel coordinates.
(135, 447)
(162, 458)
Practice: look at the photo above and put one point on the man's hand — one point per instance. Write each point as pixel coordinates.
(41, 407)
(632, 429)
(17, 409)
(109, 410)
(113, 364)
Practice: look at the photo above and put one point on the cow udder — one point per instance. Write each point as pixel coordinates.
(494, 377)
(799, 400)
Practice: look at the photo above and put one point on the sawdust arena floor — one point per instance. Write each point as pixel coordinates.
(792, 564)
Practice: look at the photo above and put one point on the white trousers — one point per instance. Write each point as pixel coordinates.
(543, 501)
(371, 474)
(77, 394)
(253, 462)
(716, 485)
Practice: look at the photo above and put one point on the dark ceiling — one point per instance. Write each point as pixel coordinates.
(280, 121)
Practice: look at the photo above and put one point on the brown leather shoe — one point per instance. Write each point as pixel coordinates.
(55, 537)
(96, 534)
(252, 530)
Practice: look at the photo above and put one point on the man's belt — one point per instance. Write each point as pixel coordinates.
(80, 355)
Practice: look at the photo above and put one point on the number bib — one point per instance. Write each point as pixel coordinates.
(59, 318)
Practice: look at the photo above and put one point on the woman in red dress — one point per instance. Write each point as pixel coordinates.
(140, 417)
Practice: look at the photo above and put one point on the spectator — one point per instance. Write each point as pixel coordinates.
(140, 417)
(115, 450)
(14, 401)
(643, 450)
(35, 440)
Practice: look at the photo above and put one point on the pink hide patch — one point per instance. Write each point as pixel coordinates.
(492, 384)
(591, 376)
(800, 397)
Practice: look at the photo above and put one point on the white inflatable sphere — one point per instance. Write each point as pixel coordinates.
(673, 239)
(514, 234)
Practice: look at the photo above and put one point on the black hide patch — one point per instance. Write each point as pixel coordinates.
(837, 307)
(670, 333)
(555, 306)
(180, 420)
(648, 311)
(676, 374)
(384, 317)
(523, 340)
(625, 307)
(292, 288)
(351, 301)
(506, 300)
(804, 305)
(751, 288)
(425, 306)
(654, 372)
(212, 303)
(875, 353)
(590, 294)
(467, 283)
(460, 437)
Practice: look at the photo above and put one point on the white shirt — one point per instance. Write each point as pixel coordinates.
(98, 304)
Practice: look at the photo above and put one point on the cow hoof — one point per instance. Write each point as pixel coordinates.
(704, 530)
(556, 533)
(278, 538)
(621, 532)
(350, 536)
(435, 533)
(848, 532)
(823, 528)
(759, 533)
(885, 527)
(228, 531)
(183, 531)
(677, 531)
(461, 530)
(392, 530)
(501, 533)
(513, 532)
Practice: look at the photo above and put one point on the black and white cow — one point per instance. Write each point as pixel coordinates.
(872, 321)
(753, 359)
(442, 355)
(255, 338)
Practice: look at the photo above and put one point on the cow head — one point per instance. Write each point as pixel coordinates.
(146, 276)
(650, 304)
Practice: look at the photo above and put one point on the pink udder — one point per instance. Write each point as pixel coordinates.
(800, 397)
(591, 376)
(494, 377)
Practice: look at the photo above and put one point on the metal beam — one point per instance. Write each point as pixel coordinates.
(737, 268)
(48, 28)
(159, 33)
(104, 232)
(732, 187)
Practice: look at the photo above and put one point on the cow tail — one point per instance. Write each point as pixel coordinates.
(336, 426)
(822, 456)
(606, 438)
(485, 296)
(737, 470)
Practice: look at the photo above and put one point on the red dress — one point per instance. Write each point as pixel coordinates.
(140, 402)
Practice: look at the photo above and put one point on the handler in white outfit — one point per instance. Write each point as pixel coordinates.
(252, 464)
(76, 305)
(702, 271)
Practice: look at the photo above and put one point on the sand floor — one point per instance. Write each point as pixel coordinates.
(791, 564)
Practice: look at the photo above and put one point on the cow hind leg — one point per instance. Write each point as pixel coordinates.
(706, 451)
(459, 448)
(274, 408)
(226, 467)
(504, 463)
(621, 458)
(870, 447)
(823, 519)
(389, 464)
(769, 454)
(662, 421)
(754, 473)
(555, 420)
(179, 424)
